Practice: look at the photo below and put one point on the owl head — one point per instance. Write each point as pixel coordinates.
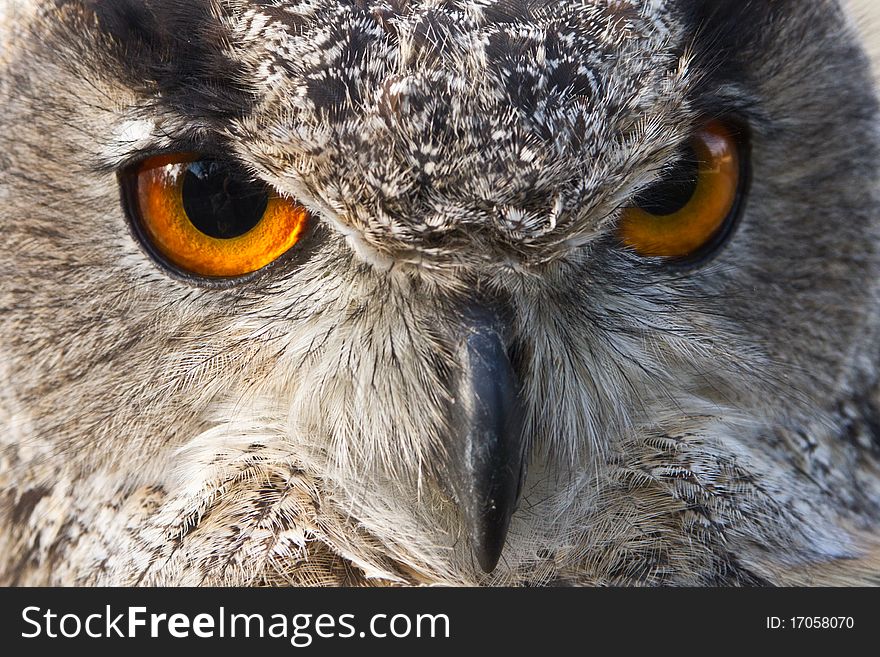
(437, 291)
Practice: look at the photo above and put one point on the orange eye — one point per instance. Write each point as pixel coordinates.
(693, 206)
(207, 217)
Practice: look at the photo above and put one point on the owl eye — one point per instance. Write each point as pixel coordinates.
(208, 217)
(692, 208)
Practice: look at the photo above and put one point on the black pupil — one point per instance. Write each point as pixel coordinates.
(675, 189)
(220, 201)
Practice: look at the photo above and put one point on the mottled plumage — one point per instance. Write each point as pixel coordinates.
(707, 425)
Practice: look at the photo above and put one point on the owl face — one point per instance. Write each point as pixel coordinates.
(447, 292)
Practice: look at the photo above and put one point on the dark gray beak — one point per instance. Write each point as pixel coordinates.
(487, 454)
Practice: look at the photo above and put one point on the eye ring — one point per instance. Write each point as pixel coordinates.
(689, 227)
(205, 219)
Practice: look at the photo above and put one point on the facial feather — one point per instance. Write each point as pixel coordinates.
(710, 425)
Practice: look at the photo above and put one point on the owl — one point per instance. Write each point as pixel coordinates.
(456, 292)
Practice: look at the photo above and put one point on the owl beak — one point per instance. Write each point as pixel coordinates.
(488, 461)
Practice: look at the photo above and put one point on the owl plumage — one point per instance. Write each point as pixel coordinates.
(465, 164)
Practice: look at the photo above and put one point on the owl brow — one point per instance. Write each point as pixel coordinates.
(204, 143)
(723, 32)
(174, 51)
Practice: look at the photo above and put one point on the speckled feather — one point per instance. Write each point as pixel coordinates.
(717, 425)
